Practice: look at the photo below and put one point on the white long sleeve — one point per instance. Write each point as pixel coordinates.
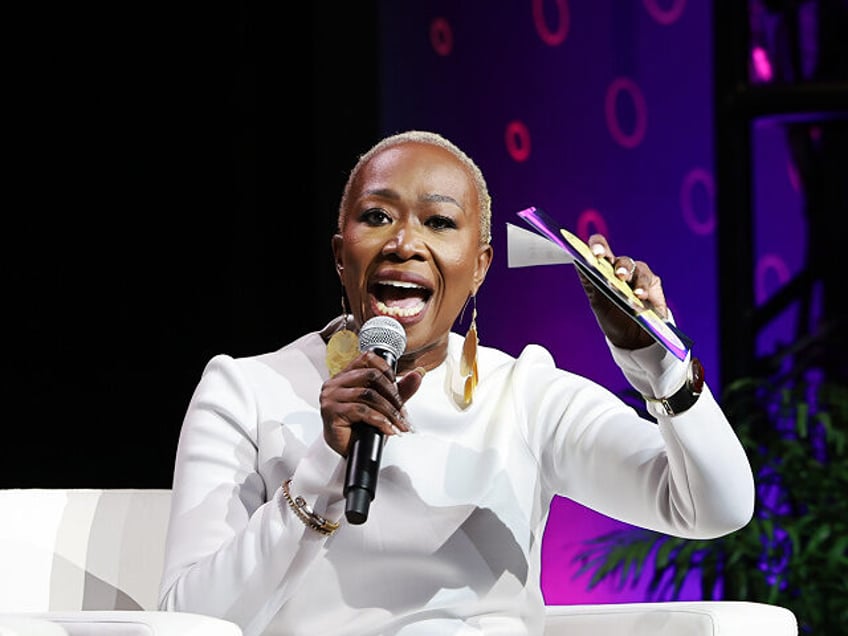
(452, 544)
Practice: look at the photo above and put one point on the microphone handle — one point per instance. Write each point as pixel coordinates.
(363, 461)
(363, 465)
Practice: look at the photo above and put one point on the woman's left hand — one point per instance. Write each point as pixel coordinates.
(622, 330)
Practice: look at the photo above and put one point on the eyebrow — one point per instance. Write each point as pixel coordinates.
(441, 198)
(388, 193)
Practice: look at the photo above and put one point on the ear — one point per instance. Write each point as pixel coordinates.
(484, 260)
(337, 242)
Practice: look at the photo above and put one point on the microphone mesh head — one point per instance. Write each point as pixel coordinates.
(383, 332)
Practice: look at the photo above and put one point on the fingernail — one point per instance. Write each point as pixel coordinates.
(409, 427)
(622, 271)
(397, 431)
(421, 371)
(639, 291)
(404, 415)
(598, 249)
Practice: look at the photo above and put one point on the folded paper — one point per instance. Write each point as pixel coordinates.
(525, 248)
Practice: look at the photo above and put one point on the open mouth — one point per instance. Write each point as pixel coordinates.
(400, 299)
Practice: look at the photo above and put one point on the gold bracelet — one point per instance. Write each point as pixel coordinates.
(306, 515)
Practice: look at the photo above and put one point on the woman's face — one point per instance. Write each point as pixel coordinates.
(410, 245)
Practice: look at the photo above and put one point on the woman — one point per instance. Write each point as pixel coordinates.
(453, 538)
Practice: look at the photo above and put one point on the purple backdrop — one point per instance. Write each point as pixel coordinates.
(600, 113)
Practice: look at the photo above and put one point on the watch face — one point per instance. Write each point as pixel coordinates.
(696, 369)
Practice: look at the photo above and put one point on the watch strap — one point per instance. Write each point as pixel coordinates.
(686, 396)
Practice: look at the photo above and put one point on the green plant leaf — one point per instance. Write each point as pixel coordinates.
(819, 536)
(837, 554)
(793, 553)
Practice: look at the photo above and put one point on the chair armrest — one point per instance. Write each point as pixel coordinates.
(124, 623)
(674, 618)
(25, 626)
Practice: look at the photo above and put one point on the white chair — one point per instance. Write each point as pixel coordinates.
(26, 626)
(87, 562)
(672, 618)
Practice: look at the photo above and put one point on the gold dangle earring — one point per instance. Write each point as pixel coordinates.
(343, 345)
(468, 361)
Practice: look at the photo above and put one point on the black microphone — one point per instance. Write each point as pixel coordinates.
(385, 337)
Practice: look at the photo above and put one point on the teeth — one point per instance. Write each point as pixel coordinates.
(400, 283)
(399, 312)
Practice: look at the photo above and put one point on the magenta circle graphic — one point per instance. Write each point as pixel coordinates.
(698, 177)
(558, 35)
(665, 16)
(591, 222)
(770, 263)
(517, 139)
(625, 85)
(441, 36)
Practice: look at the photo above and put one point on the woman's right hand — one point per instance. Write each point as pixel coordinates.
(365, 391)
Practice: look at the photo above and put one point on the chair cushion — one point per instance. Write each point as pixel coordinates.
(73, 549)
(128, 623)
(692, 618)
(26, 626)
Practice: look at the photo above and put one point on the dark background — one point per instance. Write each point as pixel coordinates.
(174, 171)
(177, 172)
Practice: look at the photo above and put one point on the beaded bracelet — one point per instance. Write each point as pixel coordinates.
(306, 514)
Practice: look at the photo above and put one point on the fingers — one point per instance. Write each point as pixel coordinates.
(409, 383)
(371, 395)
(646, 285)
(599, 246)
(365, 391)
(625, 268)
(651, 291)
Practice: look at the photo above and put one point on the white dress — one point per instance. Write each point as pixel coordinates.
(453, 538)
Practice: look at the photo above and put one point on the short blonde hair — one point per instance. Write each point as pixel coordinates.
(435, 139)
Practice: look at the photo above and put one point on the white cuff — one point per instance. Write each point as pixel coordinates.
(319, 479)
(651, 370)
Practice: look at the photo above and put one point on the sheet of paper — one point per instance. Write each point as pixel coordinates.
(525, 248)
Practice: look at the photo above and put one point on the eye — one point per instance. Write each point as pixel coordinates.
(375, 217)
(439, 222)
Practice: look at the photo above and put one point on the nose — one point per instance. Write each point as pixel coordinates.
(405, 243)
